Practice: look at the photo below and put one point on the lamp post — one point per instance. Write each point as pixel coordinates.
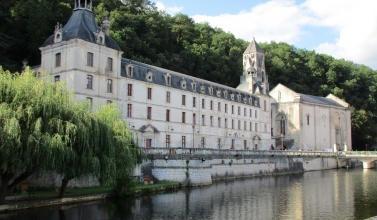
(193, 133)
(282, 141)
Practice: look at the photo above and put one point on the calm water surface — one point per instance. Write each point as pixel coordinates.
(332, 194)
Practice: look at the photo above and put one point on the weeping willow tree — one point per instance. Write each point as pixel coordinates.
(43, 128)
(103, 147)
(34, 130)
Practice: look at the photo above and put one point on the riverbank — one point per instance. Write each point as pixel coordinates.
(46, 198)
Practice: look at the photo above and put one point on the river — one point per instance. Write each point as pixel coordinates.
(330, 194)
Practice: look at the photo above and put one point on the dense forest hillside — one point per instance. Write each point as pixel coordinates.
(178, 43)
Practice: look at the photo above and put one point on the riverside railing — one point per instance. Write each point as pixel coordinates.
(231, 152)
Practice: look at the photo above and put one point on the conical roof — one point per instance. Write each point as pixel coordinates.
(253, 47)
(82, 25)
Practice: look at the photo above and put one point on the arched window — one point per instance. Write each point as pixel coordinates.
(280, 124)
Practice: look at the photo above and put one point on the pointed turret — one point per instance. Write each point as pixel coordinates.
(253, 48)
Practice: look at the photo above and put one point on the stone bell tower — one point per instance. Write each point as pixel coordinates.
(254, 78)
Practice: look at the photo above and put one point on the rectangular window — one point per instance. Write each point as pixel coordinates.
(219, 122)
(89, 82)
(232, 109)
(232, 123)
(211, 120)
(244, 144)
(90, 100)
(57, 78)
(307, 119)
(148, 143)
(251, 126)
(232, 147)
(239, 110)
(109, 86)
(183, 141)
(239, 125)
(194, 119)
(226, 108)
(203, 120)
(211, 105)
(149, 113)
(89, 59)
(58, 59)
(167, 141)
(168, 97)
(129, 110)
(244, 125)
(129, 89)
(256, 114)
(109, 102)
(203, 102)
(226, 123)
(183, 117)
(183, 99)
(244, 112)
(203, 142)
(251, 113)
(193, 101)
(264, 105)
(109, 64)
(167, 115)
(149, 93)
(256, 126)
(219, 106)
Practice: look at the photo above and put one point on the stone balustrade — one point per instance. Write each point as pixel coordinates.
(230, 152)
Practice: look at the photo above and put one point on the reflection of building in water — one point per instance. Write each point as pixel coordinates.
(323, 195)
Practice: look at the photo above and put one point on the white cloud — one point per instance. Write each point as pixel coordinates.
(355, 22)
(170, 10)
(278, 20)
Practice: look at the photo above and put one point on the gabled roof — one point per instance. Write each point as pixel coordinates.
(318, 100)
(82, 25)
(253, 47)
(144, 128)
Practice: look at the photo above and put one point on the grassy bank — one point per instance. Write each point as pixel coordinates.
(74, 192)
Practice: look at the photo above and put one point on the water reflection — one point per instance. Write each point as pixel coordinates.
(333, 194)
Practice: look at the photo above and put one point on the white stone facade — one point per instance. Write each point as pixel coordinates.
(310, 122)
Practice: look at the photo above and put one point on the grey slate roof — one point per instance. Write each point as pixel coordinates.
(140, 71)
(253, 47)
(318, 100)
(82, 25)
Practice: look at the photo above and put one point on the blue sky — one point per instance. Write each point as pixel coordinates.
(341, 28)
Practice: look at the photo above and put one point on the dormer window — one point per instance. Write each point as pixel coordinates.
(250, 101)
(183, 83)
(244, 99)
(210, 90)
(202, 88)
(232, 96)
(225, 94)
(168, 79)
(256, 102)
(193, 85)
(149, 76)
(58, 33)
(129, 70)
(239, 97)
(218, 92)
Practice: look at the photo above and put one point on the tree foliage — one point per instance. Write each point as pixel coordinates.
(42, 128)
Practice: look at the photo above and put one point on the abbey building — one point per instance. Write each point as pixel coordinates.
(167, 109)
